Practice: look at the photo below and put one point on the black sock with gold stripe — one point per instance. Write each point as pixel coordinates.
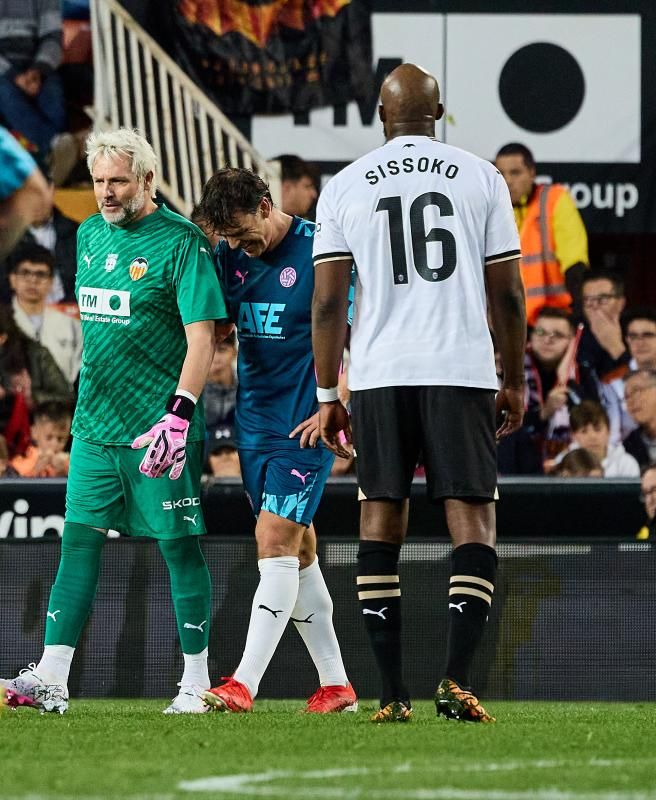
(380, 600)
(473, 570)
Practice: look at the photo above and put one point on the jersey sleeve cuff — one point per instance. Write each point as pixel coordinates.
(321, 257)
(507, 256)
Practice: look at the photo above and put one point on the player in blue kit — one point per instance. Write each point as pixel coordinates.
(264, 262)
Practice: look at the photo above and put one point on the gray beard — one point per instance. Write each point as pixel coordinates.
(129, 211)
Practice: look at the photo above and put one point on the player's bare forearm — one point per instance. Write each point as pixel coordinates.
(200, 351)
(21, 209)
(508, 315)
(329, 318)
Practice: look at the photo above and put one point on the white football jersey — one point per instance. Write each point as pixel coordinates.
(420, 219)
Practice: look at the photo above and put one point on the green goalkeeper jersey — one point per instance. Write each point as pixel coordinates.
(137, 287)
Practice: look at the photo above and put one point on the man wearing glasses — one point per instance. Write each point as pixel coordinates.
(640, 335)
(640, 399)
(602, 351)
(550, 389)
(31, 273)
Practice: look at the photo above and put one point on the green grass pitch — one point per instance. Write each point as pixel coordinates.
(128, 749)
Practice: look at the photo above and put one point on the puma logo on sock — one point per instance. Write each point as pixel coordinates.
(195, 627)
(376, 613)
(307, 619)
(458, 606)
(275, 613)
(53, 614)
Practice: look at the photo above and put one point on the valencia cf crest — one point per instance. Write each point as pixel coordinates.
(138, 268)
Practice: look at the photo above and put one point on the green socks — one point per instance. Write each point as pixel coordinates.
(191, 590)
(73, 592)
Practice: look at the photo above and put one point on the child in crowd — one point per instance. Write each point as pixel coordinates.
(590, 428)
(223, 458)
(579, 463)
(45, 457)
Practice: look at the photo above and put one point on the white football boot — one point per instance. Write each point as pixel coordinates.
(31, 691)
(188, 701)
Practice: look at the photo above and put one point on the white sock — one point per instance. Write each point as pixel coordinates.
(195, 670)
(277, 593)
(55, 663)
(315, 605)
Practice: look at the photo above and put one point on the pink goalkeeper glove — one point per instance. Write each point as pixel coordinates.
(167, 441)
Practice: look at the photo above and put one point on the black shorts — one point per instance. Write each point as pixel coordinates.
(452, 429)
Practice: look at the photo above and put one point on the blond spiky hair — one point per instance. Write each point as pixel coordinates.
(124, 142)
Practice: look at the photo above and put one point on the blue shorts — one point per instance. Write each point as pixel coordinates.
(285, 481)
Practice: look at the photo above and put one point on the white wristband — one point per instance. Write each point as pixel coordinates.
(326, 395)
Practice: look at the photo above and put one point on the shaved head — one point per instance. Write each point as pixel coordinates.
(410, 102)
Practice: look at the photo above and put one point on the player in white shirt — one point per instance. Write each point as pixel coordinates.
(431, 231)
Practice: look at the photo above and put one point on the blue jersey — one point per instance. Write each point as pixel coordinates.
(269, 300)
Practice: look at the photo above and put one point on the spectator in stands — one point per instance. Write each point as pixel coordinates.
(591, 431)
(602, 353)
(223, 458)
(648, 497)
(23, 192)
(220, 393)
(551, 388)
(31, 274)
(299, 189)
(640, 399)
(580, 463)
(31, 95)
(639, 326)
(51, 430)
(58, 234)
(6, 470)
(27, 368)
(553, 239)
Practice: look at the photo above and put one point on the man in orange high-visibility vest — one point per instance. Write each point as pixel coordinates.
(553, 239)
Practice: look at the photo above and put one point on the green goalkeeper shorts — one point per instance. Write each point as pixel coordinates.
(106, 490)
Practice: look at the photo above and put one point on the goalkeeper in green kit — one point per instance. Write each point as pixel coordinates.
(149, 303)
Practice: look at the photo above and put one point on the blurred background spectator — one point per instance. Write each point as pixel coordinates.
(579, 463)
(299, 186)
(602, 354)
(23, 192)
(551, 388)
(32, 103)
(223, 458)
(640, 399)
(58, 234)
(6, 470)
(45, 456)
(27, 368)
(220, 394)
(639, 325)
(590, 429)
(648, 497)
(553, 239)
(31, 275)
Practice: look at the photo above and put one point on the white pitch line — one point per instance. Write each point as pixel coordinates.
(260, 784)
